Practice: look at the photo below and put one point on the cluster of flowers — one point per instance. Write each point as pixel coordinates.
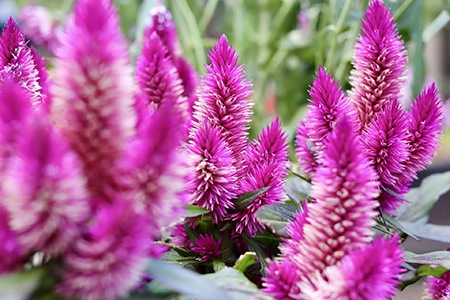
(96, 165)
(362, 152)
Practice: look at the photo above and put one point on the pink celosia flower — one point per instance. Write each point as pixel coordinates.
(43, 78)
(438, 288)
(327, 105)
(213, 176)
(152, 170)
(379, 63)
(109, 260)
(156, 76)
(11, 253)
(282, 279)
(40, 27)
(44, 189)
(385, 142)
(207, 247)
(370, 272)
(93, 92)
(267, 166)
(224, 99)
(424, 128)
(16, 61)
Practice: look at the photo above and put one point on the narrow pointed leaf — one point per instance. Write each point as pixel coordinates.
(195, 211)
(441, 258)
(277, 216)
(244, 200)
(398, 226)
(433, 232)
(245, 261)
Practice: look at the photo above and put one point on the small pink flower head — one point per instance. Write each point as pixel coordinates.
(163, 26)
(438, 288)
(44, 189)
(328, 103)
(267, 167)
(345, 187)
(153, 168)
(379, 63)
(93, 92)
(213, 176)
(156, 76)
(207, 247)
(425, 129)
(282, 279)
(109, 260)
(40, 27)
(224, 99)
(16, 61)
(370, 272)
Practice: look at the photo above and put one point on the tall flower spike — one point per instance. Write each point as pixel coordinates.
(16, 61)
(345, 188)
(385, 142)
(43, 78)
(438, 288)
(153, 168)
(93, 92)
(213, 180)
(156, 76)
(267, 167)
(328, 103)
(370, 272)
(424, 128)
(44, 189)
(224, 99)
(109, 260)
(304, 151)
(379, 63)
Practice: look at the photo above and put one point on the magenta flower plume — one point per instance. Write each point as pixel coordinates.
(43, 78)
(267, 168)
(224, 99)
(327, 105)
(207, 247)
(109, 260)
(438, 288)
(424, 128)
(16, 61)
(370, 272)
(44, 189)
(385, 141)
(282, 279)
(93, 92)
(156, 76)
(213, 180)
(153, 168)
(379, 63)
(11, 252)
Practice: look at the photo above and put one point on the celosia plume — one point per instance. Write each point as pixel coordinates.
(43, 78)
(93, 92)
(16, 61)
(207, 247)
(213, 182)
(44, 189)
(327, 104)
(371, 272)
(109, 260)
(438, 288)
(379, 63)
(224, 99)
(267, 166)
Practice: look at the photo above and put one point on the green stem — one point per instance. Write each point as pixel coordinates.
(401, 10)
(207, 15)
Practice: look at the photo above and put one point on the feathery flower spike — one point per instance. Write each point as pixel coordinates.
(44, 189)
(267, 166)
(379, 63)
(425, 129)
(438, 288)
(207, 247)
(110, 259)
(385, 143)
(43, 78)
(370, 272)
(327, 104)
(213, 180)
(16, 61)
(224, 99)
(93, 92)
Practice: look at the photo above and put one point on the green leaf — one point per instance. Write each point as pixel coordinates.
(195, 211)
(420, 200)
(277, 216)
(398, 226)
(256, 247)
(218, 265)
(433, 232)
(244, 200)
(245, 261)
(297, 189)
(441, 258)
(20, 285)
(185, 281)
(426, 270)
(236, 285)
